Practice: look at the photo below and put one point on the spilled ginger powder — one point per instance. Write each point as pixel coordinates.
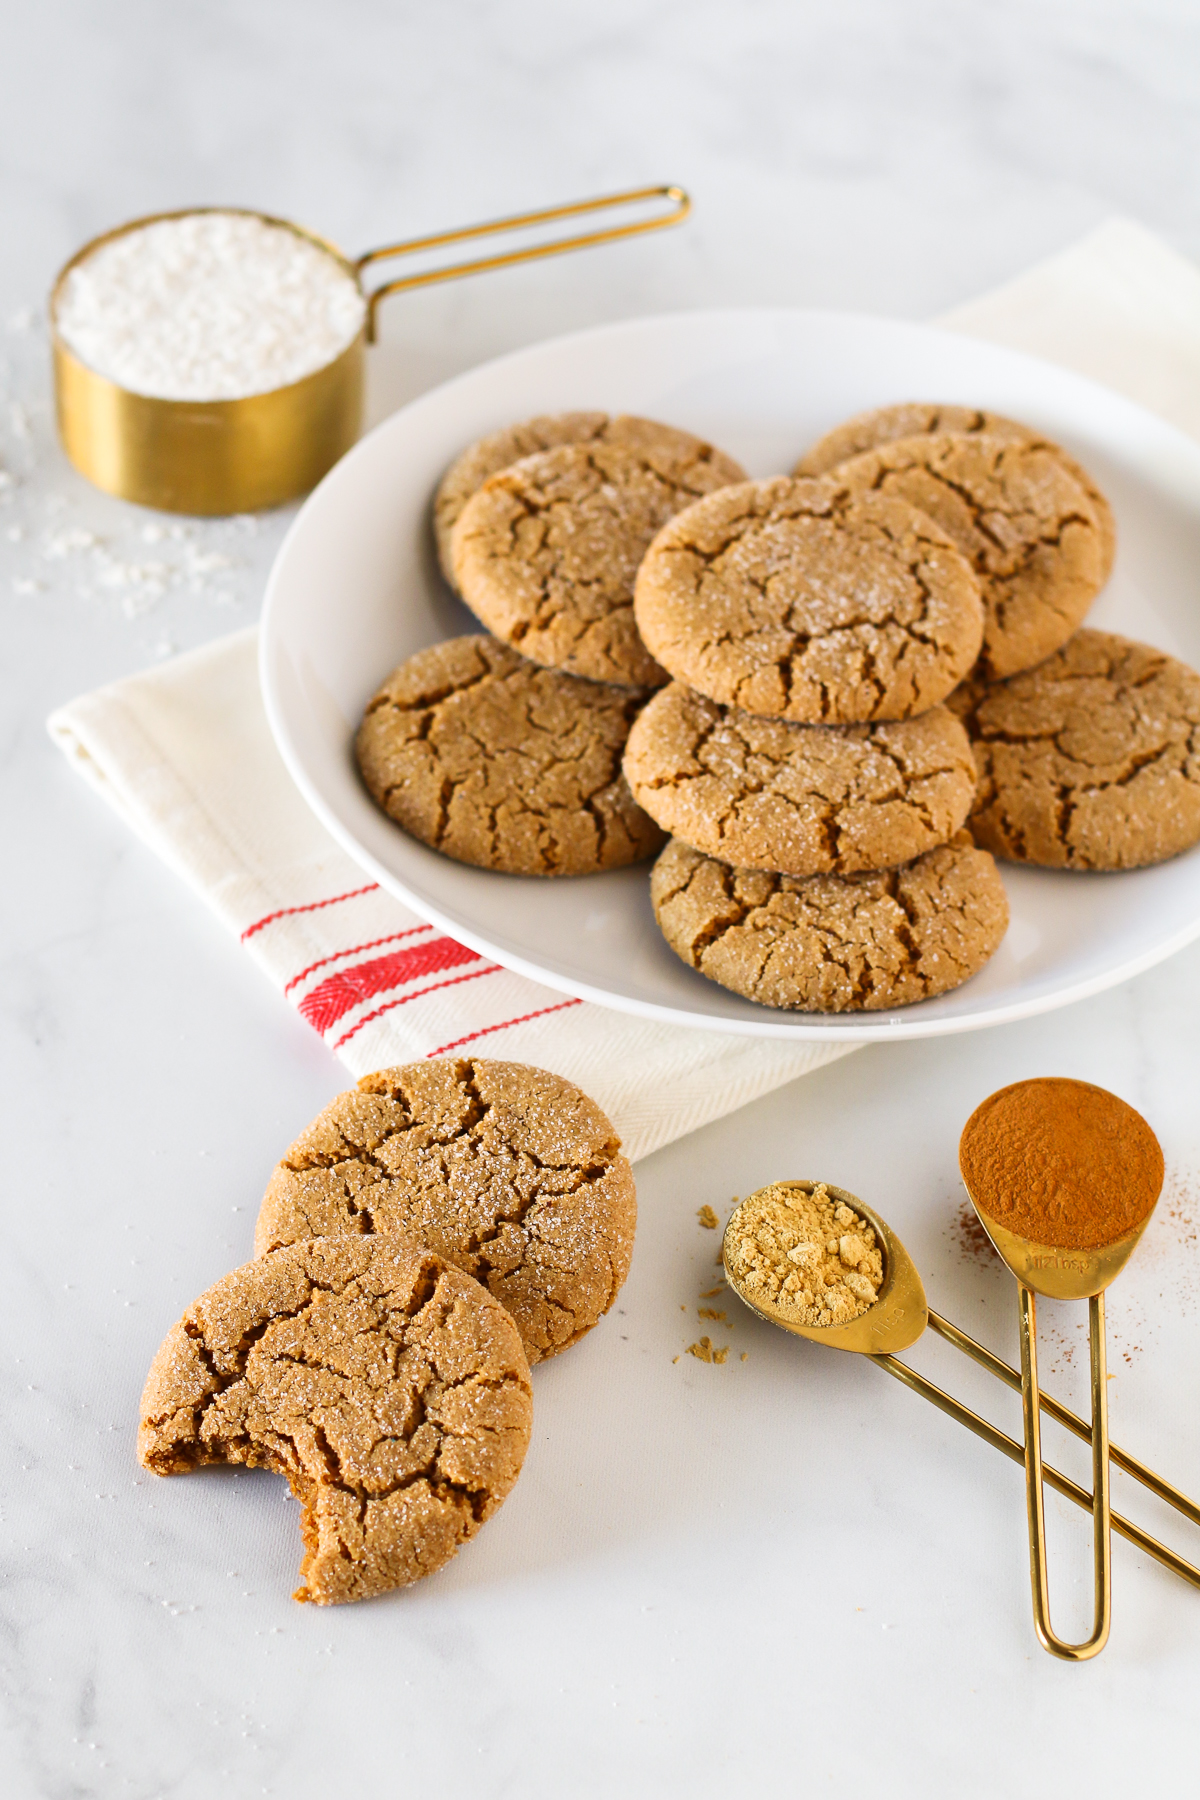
(805, 1253)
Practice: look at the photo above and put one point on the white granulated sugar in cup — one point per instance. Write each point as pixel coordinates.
(210, 306)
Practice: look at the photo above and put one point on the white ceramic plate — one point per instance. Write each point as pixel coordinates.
(355, 589)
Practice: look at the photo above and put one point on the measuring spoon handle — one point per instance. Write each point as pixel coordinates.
(1009, 1447)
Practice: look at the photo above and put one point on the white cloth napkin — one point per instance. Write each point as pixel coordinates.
(184, 754)
(1120, 306)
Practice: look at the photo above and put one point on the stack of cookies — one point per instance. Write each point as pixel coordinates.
(430, 1235)
(505, 750)
(814, 783)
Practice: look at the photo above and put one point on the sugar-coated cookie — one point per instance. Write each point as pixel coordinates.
(1026, 526)
(499, 450)
(495, 761)
(467, 474)
(799, 799)
(833, 943)
(884, 424)
(796, 599)
(509, 1172)
(1089, 761)
(390, 1389)
(545, 553)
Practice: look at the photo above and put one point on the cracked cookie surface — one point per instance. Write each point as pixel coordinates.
(796, 599)
(509, 1172)
(799, 799)
(1089, 761)
(1025, 525)
(489, 455)
(885, 424)
(830, 943)
(390, 1389)
(494, 761)
(546, 552)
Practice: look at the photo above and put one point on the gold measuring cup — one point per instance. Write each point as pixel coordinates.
(997, 1163)
(897, 1319)
(231, 456)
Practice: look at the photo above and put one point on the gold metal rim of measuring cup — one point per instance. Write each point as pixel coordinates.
(900, 1311)
(208, 457)
(216, 457)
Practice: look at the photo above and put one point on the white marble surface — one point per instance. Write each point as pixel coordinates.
(782, 1570)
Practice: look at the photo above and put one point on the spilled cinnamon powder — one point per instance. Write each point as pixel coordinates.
(970, 1239)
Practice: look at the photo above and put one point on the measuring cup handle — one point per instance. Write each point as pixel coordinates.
(681, 206)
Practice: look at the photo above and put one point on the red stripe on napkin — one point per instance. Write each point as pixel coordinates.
(504, 1024)
(286, 912)
(352, 950)
(488, 969)
(330, 1000)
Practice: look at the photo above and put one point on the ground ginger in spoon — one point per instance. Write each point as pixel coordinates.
(807, 1254)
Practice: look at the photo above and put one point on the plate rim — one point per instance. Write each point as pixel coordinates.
(769, 1022)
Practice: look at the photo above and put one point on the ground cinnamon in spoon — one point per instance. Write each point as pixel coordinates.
(1061, 1163)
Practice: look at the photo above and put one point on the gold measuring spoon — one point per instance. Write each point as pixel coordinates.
(1064, 1177)
(897, 1319)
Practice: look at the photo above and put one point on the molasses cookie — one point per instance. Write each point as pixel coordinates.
(797, 599)
(916, 419)
(1089, 761)
(506, 1171)
(501, 449)
(389, 1388)
(830, 943)
(545, 553)
(497, 762)
(800, 799)
(1027, 527)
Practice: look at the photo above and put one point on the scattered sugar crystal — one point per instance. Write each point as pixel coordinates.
(60, 544)
(200, 562)
(210, 306)
(134, 602)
